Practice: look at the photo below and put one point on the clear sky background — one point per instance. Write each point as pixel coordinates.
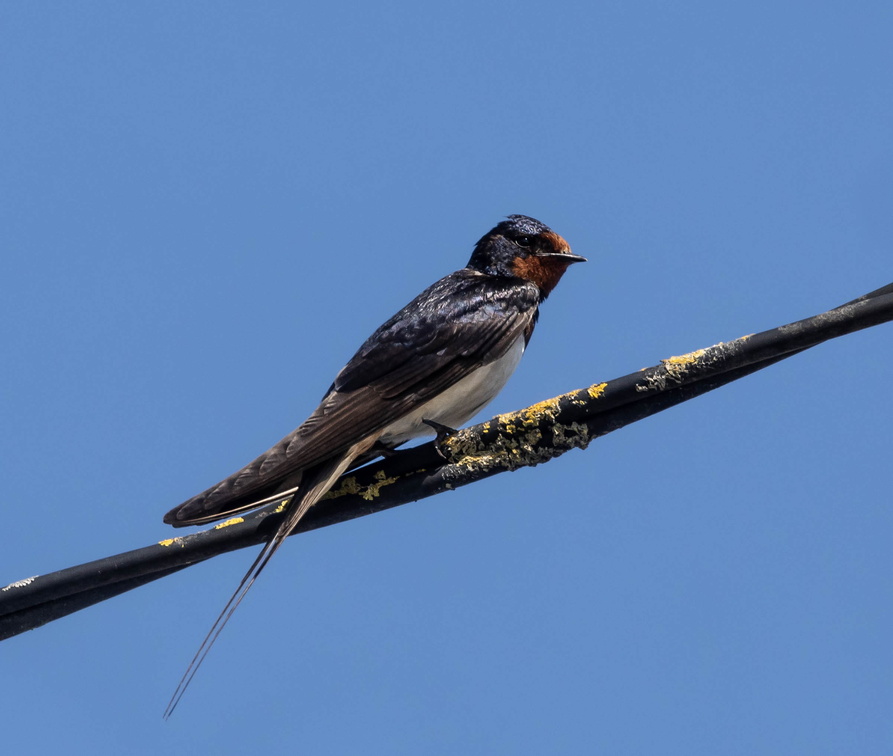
(206, 207)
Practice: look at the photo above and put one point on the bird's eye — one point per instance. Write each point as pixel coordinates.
(523, 241)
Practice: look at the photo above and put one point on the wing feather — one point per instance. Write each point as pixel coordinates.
(459, 324)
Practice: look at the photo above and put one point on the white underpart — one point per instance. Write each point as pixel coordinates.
(460, 402)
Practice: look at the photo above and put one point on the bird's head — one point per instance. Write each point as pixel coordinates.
(521, 247)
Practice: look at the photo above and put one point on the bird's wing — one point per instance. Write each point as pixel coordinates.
(462, 322)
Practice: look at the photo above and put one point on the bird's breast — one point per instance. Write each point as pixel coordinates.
(460, 402)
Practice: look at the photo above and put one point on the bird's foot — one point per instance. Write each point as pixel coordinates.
(443, 433)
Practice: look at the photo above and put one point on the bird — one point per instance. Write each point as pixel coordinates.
(428, 369)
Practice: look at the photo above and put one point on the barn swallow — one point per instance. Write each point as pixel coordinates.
(433, 365)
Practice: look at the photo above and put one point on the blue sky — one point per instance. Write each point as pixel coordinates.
(206, 207)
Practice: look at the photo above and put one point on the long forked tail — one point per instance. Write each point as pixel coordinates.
(315, 485)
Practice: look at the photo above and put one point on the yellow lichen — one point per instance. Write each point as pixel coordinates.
(685, 359)
(350, 487)
(596, 390)
(227, 523)
(515, 439)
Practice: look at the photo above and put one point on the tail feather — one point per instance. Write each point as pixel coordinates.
(314, 486)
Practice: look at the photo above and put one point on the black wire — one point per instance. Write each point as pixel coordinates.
(421, 472)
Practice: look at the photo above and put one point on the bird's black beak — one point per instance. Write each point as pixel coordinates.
(569, 257)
